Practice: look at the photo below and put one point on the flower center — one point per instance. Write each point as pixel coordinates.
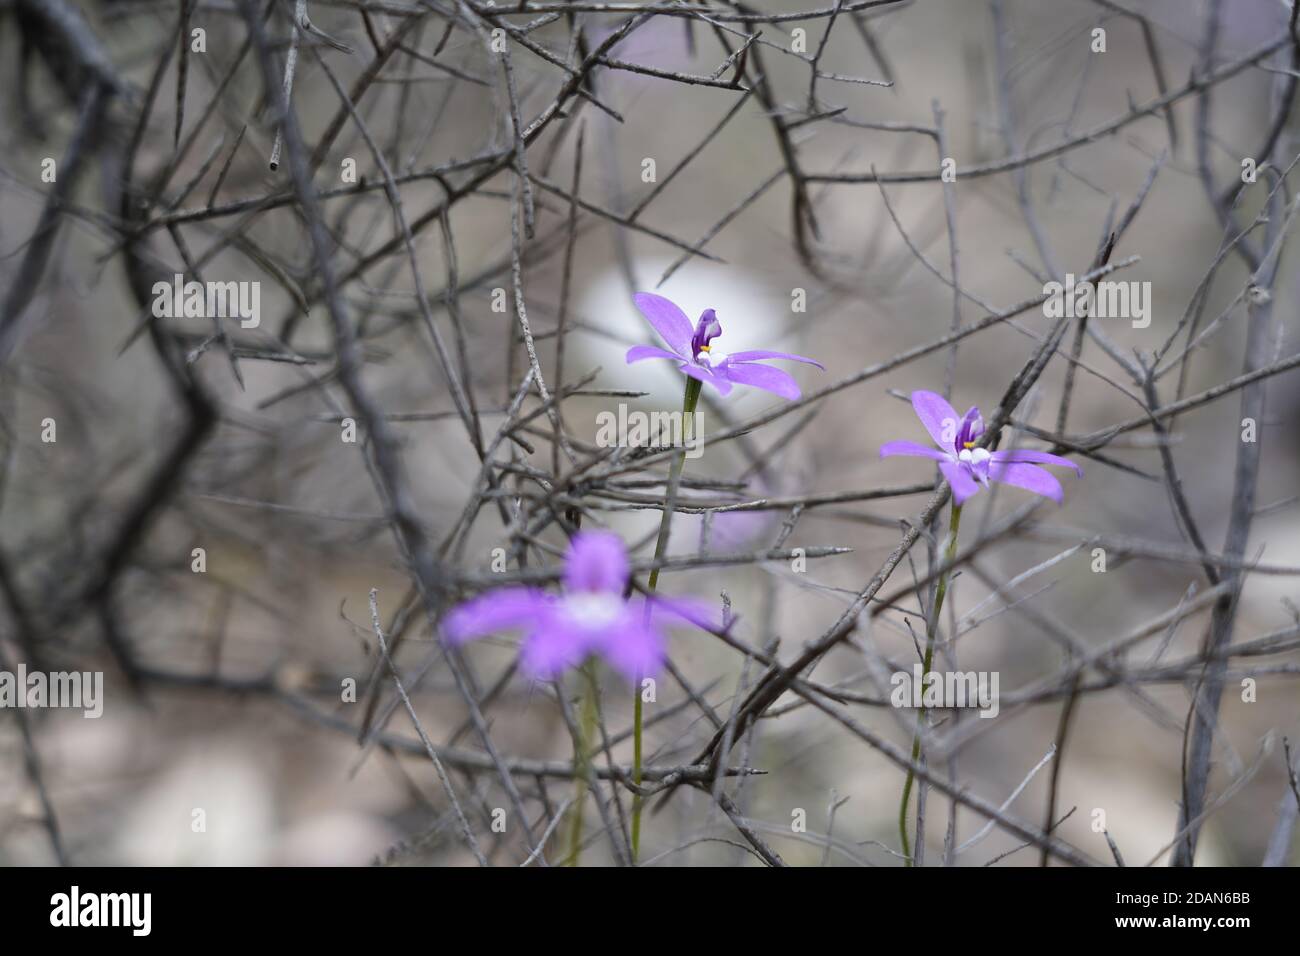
(709, 358)
(593, 609)
(976, 462)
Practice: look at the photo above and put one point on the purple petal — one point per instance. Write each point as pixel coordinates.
(912, 449)
(691, 610)
(757, 354)
(972, 427)
(638, 352)
(635, 650)
(668, 320)
(705, 375)
(962, 484)
(500, 610)
(706, 330)
(1025, 456)
(597, 561)
(1030, 477)
(552, 649)
(938, 417)
(762, 376)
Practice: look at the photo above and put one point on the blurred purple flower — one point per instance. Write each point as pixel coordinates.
(590, 618)
(694, 353)
(967, 467)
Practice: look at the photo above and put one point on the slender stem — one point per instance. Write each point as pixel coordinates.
(931, 632)
(586, 727)
(689, 401)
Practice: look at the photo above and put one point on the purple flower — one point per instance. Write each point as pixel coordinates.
(695, 354)
(967, 467)
(590, 618)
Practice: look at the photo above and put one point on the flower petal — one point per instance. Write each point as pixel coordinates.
(962, 484)
(687, 609)
(769, 379)
(1030, 477)
(707, 329)
(633, 648)
(971, 428)
(757, 354)
(705, 375)
(501, 610)
(597, 561)
(938, 417)
(1025, 456)
(552, 649)
(638, 352)
(911, 449)
(668, 320)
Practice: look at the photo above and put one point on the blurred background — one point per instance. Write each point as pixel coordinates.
(239, 712)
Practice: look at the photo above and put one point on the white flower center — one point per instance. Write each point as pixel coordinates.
(593, 609)
(711, 357)
(974, 456)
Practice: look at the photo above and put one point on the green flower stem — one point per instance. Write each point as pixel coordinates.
(931, 632)
(689, 401)
(586, 727)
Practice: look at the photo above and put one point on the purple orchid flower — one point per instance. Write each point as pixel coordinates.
(967, 467)
(694, 353)
(590, 618)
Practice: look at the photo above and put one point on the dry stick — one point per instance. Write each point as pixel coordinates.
(691, 250)
(566, 282)
(1157, 67)
(1206, 701)
(1279, 841)
(359, 88)
(1196, 85)
(769, 856)
(1063, 411)
(520, 150)
(953, 790)
(984, 830)
(685, 160)
(463, 823)
(1172, 409)
(26, 282)
(182, 69)
(821, 48)
(801, 210)
(712, 231)
(32, 761)
(950, 222)
(521, 310)
(422, 300)
(1062, 734)
(387, 462)
(290, 67)
(494, 164)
